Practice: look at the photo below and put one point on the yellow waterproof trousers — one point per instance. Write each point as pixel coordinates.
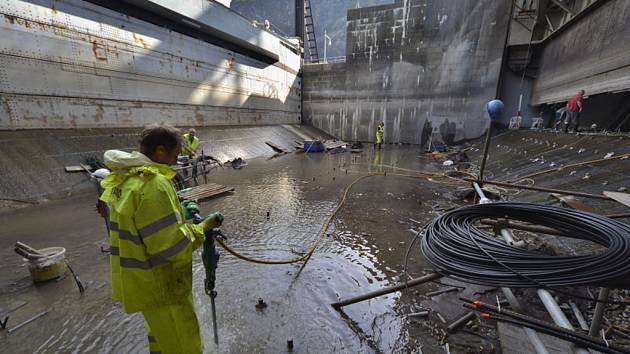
(173, 329)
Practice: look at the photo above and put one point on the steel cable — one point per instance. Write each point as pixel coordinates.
(459, 250)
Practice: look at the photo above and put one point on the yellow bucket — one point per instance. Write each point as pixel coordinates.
(50, 267)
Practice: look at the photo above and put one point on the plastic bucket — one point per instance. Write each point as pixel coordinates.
(50, 267)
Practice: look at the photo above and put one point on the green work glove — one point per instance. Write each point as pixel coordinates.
(212, 220)
(190, 208)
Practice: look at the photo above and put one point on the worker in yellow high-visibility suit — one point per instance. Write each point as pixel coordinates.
(191, 143)
(151, 245)
(380, 132)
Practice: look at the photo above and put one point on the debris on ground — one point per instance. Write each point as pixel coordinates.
(442, 291)
(277, 148)
(236, 163)
(32, 319)
(261, 304)
(335, 144)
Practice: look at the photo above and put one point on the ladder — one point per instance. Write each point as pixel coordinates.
(310, 42)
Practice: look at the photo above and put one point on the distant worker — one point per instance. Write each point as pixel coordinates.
(380, 132)
(191, 143)
(574, 108)
(151, 245)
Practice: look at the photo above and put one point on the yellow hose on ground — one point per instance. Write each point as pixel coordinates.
(417, 174)
(329, 220)
(568, 166)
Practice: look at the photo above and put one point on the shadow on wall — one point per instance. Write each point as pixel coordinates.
(92, 67)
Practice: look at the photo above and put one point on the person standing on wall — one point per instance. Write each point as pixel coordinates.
(191, 143)
(380, 133)
(151, 244)
(574, 108)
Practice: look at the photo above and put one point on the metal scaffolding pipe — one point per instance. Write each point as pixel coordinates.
(486, 147)
(558, 316)
(388, 290)
(554, 309)
(540, 189)
(598, 315)
(532, 335)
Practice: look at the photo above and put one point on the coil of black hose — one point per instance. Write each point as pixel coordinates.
(458, 249)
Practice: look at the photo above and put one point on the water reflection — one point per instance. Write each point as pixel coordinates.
(277, 210)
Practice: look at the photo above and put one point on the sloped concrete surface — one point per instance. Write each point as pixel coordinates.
(32, 162)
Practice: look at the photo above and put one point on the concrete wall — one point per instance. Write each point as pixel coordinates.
(417, 65)
(512, 86)
(591, 54)
(72, 64)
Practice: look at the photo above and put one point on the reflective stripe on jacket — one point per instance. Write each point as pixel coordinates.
(151, 245)
(190, 147)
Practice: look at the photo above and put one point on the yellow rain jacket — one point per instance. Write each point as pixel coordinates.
(190, 147)
(151, 245)
(380, 132)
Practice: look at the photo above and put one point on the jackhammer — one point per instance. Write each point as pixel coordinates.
(210, 258)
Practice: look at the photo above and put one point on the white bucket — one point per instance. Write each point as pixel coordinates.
(50, 267)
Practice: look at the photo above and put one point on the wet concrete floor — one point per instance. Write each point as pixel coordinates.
(364, 251)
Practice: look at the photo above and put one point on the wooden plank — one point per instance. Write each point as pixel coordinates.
(78, 168)
(213, 194)
(623, 198)
(574, 203)
(205, 191)
(276, 147)
(74, 169)
(198, 195)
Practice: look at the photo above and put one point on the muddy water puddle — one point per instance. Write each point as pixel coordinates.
(277, 210)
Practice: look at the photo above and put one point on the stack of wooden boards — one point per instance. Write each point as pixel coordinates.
(204, 191)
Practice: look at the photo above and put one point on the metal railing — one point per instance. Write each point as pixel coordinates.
(331, 60)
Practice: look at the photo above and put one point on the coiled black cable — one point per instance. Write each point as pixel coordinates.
(459, 250)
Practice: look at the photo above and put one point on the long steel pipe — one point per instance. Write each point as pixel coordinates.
(598, 315)
(388, 290)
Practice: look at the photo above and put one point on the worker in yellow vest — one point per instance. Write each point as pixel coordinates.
(151, 245)
(191, 143)
(380, 132)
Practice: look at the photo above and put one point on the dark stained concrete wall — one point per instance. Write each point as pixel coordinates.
(591, 54)
(411, 64)
(512, 86)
